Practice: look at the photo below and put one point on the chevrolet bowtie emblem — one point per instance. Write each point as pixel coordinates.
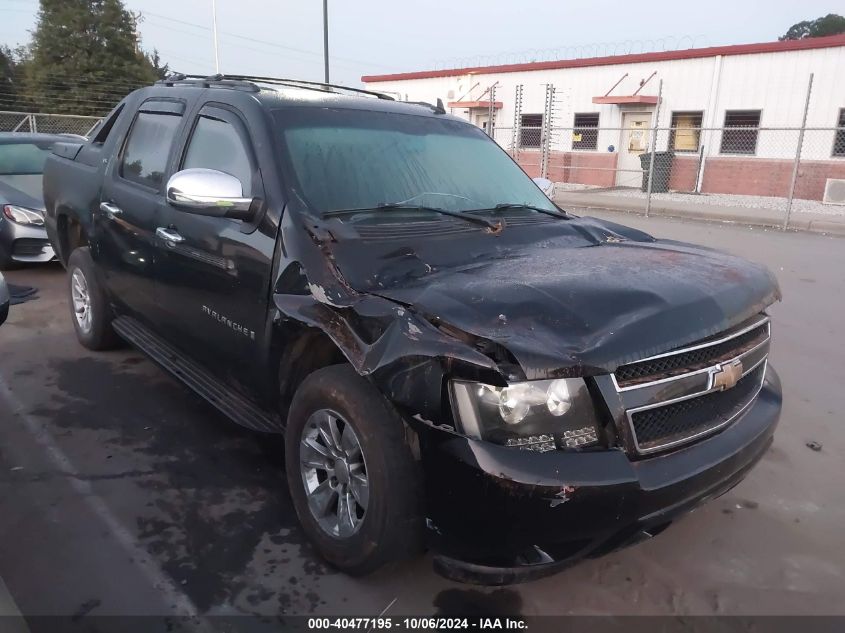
(727, 375)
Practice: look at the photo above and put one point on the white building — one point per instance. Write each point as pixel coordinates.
(601, 110)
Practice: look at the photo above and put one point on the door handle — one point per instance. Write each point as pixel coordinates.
(170, 236)
(110, 209)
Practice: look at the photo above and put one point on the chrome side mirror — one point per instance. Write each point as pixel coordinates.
(546, 185)
(209, 192)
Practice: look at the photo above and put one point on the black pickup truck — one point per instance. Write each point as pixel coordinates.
(454, 361)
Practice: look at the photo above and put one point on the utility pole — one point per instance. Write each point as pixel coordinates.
(137, 18)
(214, 30)
(326, 38)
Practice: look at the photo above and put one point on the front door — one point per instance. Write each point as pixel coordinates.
(482, 120)
(213, 277)
(131, 199)
(634, 141)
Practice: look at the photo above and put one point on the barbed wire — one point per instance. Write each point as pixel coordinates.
(576, 51)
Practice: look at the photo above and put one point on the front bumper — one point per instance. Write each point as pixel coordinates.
(25, 244)
(501, 515)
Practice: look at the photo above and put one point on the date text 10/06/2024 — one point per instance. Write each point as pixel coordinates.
(421, 623)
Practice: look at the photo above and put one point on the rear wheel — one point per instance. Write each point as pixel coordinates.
(90, 310)
(353, 480)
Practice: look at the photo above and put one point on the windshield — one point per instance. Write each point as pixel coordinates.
(21, 166)
(355, 159)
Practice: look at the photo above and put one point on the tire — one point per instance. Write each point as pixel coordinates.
(92, 320)
(390, 528)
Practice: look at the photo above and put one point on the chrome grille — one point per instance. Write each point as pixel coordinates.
(675, 398)
(686, 419)
(676, 364)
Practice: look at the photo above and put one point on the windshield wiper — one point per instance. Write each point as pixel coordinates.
(492, 227)
(519, 205)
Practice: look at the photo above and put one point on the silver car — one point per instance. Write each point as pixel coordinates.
(22, 235)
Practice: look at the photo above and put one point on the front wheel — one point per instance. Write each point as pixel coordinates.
(89, 307)
(353, 480)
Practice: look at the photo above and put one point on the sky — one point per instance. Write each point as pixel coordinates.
(284, 38)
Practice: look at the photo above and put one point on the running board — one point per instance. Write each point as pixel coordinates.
(217, 393)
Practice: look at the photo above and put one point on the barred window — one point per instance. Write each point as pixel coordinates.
(685, 134)
(839, 139)
(585, 134)
(531, 126)
(740, 133)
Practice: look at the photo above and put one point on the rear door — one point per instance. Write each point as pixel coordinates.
(214, 282)
(132, 197)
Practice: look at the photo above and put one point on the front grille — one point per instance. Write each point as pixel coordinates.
(684, 362)
(680, 421)
(676, 398)
(28, 247)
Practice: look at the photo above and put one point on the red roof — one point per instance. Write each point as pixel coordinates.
(475, 104)
(626, 99)
(691, 53)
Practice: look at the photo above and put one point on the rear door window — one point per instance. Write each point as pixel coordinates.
(148, 147)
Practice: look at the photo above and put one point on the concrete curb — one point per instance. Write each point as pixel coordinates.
(810, 222)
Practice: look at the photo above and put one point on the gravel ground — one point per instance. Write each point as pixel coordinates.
(718, 199)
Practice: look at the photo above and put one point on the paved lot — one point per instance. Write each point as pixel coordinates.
(121, 492)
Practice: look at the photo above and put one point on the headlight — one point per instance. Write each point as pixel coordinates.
(539, 415)
(22, 215)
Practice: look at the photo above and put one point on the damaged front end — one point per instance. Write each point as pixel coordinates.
(500, 350)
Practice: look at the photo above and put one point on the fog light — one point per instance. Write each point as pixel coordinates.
(579, 437)
(537, 443)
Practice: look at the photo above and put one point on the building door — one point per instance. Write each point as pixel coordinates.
(482, 120)
(634, 141)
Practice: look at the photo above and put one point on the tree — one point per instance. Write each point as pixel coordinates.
(831, 24)
(161, 71)
(84, 57)
(8, 84)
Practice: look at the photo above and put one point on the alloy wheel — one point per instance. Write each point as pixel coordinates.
(334, 473)
(81, 299)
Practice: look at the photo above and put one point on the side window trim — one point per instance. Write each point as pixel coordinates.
(163, 105)
(104, 130)
(171, 107)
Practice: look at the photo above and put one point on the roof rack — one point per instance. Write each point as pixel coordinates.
(250, 82)
(207, 81)
(313, 85)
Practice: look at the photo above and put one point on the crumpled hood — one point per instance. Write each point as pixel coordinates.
(579, 301)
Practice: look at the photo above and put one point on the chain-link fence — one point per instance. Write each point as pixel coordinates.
(680, 161)
(47, 123)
